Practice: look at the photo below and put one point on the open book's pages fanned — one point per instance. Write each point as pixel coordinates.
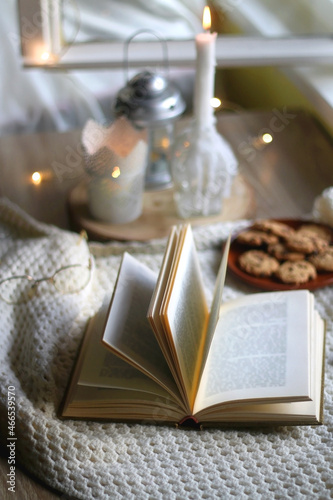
(157, 353)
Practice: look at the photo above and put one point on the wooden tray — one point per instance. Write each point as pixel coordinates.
(159, 213)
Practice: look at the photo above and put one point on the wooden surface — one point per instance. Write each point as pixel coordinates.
(292, 170)
(284, 177)
(26, 487)
(57, 156)
(158, 214)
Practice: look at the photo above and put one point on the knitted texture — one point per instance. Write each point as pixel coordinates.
(90, 460)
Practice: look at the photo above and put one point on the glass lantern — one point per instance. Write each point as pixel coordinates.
(151, 102)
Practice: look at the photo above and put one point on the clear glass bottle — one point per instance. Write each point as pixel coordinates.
(203, 168)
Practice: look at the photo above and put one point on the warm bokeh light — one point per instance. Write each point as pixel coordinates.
(215, 102)
(206, 19)
(165, 143)
(36, 178)
(267, 138)
(45, 56)
(115, 172)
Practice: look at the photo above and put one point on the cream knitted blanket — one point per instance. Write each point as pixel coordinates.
(89, 460)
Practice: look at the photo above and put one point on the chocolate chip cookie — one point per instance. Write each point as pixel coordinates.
(323, 261)
(274, 227)
(316, 230)
(281, 252)
(296, 272)
(258, 263)
(306, 244)
(256, 238)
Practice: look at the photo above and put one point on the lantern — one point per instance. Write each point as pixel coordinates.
(149, 100)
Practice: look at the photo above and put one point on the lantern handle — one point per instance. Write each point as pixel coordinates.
(152, 32)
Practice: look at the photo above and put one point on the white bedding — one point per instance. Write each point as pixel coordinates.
(102, 460)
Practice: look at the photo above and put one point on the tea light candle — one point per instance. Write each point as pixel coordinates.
(115, 158)
(205, 73)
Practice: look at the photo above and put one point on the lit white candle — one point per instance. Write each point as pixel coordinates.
(205, 73)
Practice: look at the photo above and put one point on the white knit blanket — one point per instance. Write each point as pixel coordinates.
(89, 460)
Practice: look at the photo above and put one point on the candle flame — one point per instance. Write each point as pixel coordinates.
(206, 19)
(115, 172)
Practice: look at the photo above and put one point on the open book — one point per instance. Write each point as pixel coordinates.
(157, 353)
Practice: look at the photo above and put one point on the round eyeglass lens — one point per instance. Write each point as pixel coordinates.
(16, 290)
(71, 279)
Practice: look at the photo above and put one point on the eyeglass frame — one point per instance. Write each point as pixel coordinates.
(36, 282)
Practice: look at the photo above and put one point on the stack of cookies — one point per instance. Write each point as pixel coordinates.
(293, 256)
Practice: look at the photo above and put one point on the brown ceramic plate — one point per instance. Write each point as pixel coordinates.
(272, 283)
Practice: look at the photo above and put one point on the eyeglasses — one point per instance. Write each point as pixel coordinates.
(66, 280)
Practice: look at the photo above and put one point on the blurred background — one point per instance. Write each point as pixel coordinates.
(39, 99)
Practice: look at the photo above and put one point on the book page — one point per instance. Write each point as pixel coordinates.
(100, 367)
(153, 313)
(260, 350)
(127, 331)
(117, 404)
(185, 313)
(215, 309)
(99, 373)
(295, 412)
